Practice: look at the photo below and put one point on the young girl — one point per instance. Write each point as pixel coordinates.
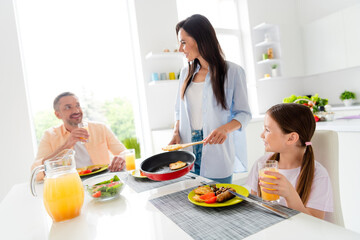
(302, 183)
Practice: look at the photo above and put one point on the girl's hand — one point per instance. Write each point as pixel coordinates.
(217, 136)
(281, 185)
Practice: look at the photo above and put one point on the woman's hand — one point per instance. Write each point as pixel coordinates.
(175, 139)
(217, 136)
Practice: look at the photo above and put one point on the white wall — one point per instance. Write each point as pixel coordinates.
(16, 135)
(156, 21)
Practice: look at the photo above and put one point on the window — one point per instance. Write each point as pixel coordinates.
(81, 46)
(223, 15)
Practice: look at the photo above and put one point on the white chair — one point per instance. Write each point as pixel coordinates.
(254, 149)
(326, 150)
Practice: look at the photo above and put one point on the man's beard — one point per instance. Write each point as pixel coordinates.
(73, 122)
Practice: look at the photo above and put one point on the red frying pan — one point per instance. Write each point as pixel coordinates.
(157, 166)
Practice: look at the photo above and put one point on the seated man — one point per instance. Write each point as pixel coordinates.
(102, 140)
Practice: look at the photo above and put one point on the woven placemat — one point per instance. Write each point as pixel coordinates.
(145, 184)
(231, 222)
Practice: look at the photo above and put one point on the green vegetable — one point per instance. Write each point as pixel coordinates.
(114, 179)
(106, 188)
(318, 102)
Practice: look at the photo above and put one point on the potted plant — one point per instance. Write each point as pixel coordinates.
(347, 97)
(132, 143)
(274, 71)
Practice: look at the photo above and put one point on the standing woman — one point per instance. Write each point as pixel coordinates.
(212, 103)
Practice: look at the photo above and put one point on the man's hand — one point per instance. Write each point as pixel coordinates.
(117, 164)
(77, 135)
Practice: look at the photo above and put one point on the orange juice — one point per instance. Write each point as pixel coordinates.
(130, 161)
(87, 129)
(63, 196)
(268, 196)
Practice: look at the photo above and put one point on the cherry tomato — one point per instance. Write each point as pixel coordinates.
(85, 172)
(97, 194)
(316, 118)
(207, 195)
(211, 200)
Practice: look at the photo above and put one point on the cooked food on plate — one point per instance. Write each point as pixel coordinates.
(212, 194)
(203, 190)
(90, 169)
(177, 165)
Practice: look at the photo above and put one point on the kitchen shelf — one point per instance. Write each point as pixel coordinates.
(267, 36)
(269, 79)
(266, 44)
(164, 55)
(163, 82)
(264, 26)
(267, 61)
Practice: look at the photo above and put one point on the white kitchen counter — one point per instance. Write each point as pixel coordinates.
(340, 125)
(132, 216)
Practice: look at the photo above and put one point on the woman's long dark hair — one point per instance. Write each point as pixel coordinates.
(199, 28)
(293, 117)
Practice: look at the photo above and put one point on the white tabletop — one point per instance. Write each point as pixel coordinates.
(132, 216)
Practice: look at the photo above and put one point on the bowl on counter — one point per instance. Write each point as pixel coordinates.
(325, 116)
(106, 186)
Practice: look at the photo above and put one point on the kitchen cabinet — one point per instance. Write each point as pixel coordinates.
(331, 43)
(267, 51)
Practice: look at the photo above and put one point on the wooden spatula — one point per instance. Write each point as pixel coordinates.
(175, 147)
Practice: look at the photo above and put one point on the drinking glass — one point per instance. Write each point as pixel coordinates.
(129, 156)
(84, 124)
(269, 165)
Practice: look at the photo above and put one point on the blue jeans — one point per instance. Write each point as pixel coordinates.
(197, 135)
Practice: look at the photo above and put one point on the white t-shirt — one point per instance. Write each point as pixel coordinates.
(194, 95)
(321, 196)
(82, 158)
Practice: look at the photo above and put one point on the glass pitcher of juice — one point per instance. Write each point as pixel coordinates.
(63, 189)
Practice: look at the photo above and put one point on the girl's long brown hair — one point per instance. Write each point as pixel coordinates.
(292, 117)
(199, 28)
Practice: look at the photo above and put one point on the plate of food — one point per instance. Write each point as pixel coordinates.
(89, 170)
(138, 174)
(216, 195)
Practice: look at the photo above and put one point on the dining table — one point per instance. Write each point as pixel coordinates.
(157, 210)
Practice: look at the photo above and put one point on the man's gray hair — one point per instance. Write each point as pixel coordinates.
(57, 99)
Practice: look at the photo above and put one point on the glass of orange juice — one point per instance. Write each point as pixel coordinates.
(84, 124)
(129, 156)
(63, 189)
(268, 165)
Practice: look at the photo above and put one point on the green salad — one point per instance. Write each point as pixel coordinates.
(105, 189)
